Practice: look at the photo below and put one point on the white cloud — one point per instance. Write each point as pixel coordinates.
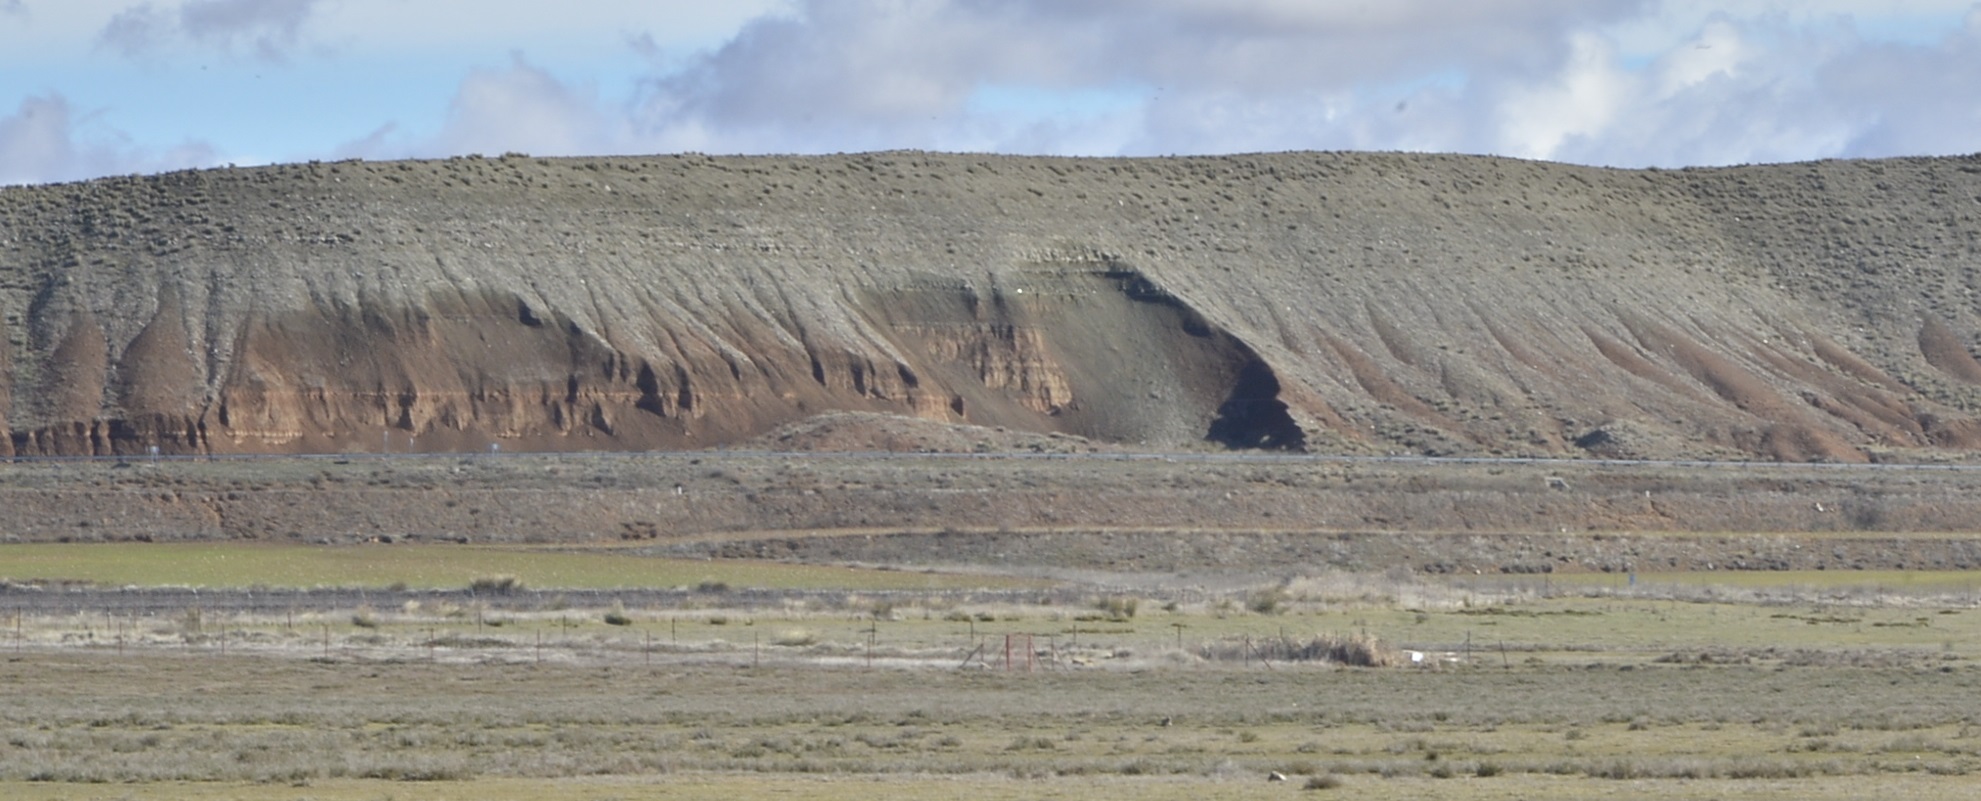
(1601, 82)
(519, 108)
(45, 141)
(1583, 100)
(860, 74)
(1619, 82)
(524, 109)
(267, 29)
(136, 31)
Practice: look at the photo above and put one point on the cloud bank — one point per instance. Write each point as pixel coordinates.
(1605, 82)
(1543, 79)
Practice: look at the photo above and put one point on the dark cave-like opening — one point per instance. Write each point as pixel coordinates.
(1253, 416)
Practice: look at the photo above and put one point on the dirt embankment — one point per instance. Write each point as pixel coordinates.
(1338, 302)
(1104, 511)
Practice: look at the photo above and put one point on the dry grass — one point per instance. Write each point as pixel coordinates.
(493, 570)
(1556, 691)
(93, 717)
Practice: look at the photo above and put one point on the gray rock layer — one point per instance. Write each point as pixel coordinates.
(1350, 302)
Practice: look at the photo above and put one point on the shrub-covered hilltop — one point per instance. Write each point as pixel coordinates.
(1320, 301)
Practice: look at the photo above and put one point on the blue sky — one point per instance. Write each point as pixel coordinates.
(98, 87)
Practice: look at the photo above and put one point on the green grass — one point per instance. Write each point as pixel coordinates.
(432, 566)
(1911, 581)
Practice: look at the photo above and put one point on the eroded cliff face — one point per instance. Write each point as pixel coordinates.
(1363, 303)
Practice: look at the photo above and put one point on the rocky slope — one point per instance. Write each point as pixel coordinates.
(1352, 302)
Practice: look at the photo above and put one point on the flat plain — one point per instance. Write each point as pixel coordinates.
(639, 667)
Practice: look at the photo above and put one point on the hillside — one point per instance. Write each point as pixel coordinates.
(1337, 302)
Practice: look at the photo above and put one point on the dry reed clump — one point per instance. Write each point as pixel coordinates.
(1118, 607)
(504, 584)
(1354, 650)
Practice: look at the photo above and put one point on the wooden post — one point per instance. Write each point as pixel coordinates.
(326, 640)
(539, 646)
(1031, 654)
(430, 646)
(648, 650)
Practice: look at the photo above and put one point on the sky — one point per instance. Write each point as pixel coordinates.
(106, 87)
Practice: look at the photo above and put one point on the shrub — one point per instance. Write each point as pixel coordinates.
(1325, 781)
(1267, 602)
(496, 585)
(794, 638)
(617, 616)
(365, 618)
(1352, 650)
(1118, 607)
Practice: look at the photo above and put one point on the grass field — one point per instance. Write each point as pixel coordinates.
(1965, 582)
(235, 565)
(94, 725)
(1007, 788)
(1720, 685)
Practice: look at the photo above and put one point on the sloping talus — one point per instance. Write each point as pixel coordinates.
(1341, 302)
